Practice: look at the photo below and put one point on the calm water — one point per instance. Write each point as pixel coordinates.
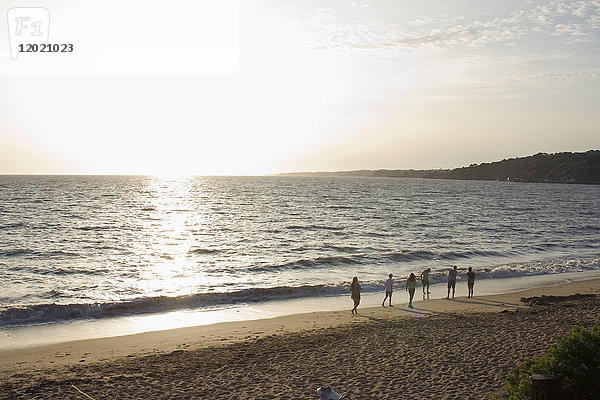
(91, 247)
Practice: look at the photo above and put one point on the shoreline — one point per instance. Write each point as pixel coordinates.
(225, 333)
(59, 333)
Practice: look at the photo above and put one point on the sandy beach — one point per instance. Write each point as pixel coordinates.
(442, 349)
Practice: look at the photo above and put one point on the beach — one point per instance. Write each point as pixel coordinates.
(444, 349)
(186, 209)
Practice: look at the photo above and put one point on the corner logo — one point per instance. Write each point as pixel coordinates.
(27, 25)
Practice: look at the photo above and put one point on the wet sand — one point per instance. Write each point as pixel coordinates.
(442, 349)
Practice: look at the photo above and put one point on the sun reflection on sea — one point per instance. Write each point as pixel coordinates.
(173, 217)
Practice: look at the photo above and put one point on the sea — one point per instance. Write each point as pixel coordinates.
(85, 248)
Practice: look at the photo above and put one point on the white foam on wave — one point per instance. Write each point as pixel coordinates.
(30, 336)
(45, 313)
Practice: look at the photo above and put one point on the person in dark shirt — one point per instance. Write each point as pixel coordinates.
(355, 294)
(425, 280)
(470, 281)
(452, 281)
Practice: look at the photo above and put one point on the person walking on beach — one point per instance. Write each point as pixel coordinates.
(425, 279)
(452, 281)
(470, 281)
(389, 288)
(411, 285)
(355, 293)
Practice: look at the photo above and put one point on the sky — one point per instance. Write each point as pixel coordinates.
(227, 87)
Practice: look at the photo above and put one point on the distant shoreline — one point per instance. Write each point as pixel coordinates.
(570, 168)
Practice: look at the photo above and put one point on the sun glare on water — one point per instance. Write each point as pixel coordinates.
(174, 217)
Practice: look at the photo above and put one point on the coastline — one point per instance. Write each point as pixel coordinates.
(71, 331)
(333, 332)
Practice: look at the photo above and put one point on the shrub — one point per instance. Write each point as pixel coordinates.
(575, 356)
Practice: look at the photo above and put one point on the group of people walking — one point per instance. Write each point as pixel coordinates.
(411, 286)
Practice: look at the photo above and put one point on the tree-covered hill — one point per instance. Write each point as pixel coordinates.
(542, 167)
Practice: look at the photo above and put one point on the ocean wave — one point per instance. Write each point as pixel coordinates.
(94, 228)
(12, 226)
(514, 270)
(58, 271)
(593, 228)
(52, 312)
(311, 263)
(315, 227)
(204, 251)
(372, 258)
(16, 252)
(455, 255)
(377, 234)
(343, 249)
(42, 254)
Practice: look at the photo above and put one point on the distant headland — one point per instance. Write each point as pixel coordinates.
(542, 168)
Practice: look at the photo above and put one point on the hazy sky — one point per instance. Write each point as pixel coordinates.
(254, 87)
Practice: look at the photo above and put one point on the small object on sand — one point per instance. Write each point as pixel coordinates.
(82, 392)
(325, 393)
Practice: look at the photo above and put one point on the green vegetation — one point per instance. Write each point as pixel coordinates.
(542, 167)
(575, 356)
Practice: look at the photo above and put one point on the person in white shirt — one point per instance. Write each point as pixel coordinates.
(389, 288)
(452, 281)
